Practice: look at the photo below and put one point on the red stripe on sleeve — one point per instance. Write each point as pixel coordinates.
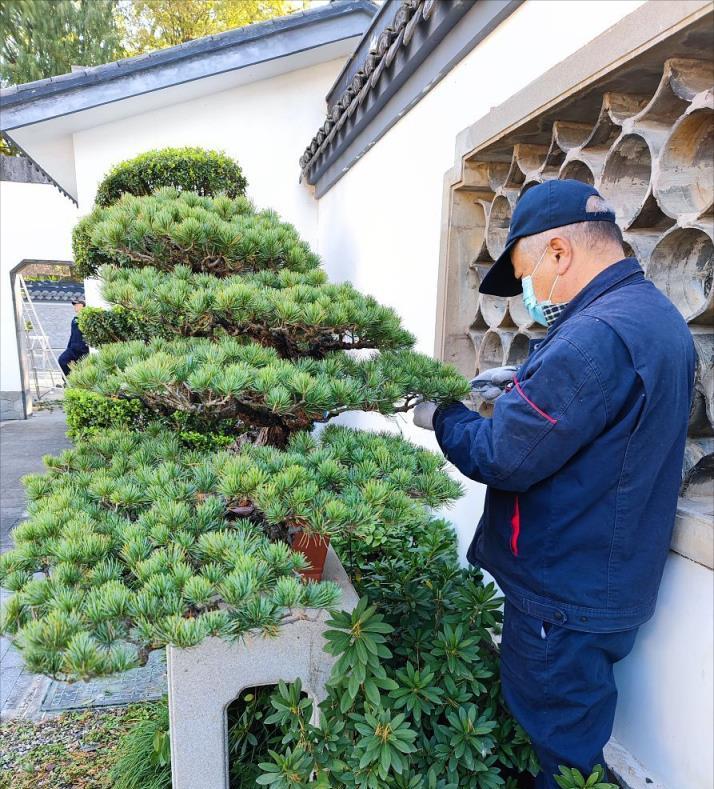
(532, 404)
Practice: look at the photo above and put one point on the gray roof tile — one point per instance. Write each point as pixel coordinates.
(410, 14)
(17, 94)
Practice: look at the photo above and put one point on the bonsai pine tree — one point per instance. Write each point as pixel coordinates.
(196, 464)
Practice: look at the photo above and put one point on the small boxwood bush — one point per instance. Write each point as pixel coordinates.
(186, 169)
(89, 413)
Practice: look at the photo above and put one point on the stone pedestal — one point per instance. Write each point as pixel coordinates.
(205, 679)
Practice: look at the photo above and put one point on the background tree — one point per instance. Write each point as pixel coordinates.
(7, 148)
(41, 38)
(153, 24)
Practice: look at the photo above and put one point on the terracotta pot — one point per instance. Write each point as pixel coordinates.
(314, 548)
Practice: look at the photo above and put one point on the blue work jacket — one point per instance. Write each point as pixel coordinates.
(76, 339)
(583, 457)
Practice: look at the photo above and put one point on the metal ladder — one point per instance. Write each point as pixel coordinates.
(44, 367)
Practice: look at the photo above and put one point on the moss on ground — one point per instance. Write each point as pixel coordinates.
(75, 750)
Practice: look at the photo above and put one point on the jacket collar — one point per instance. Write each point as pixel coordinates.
(614, 276)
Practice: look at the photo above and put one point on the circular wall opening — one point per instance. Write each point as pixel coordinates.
(685, 182)
(640, 243)
(682, 267)
(519, 314)
(528, 185)
(626, 177)
(491, 351)
(493, 309)
(473, 277)
(578, 171)
(518, 350)
(497, 229)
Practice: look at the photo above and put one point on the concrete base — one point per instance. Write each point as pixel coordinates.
(628, 772)
(12, 406)
(205, 679)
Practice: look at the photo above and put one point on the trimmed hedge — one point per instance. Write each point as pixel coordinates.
(100, 326)
(187, 169)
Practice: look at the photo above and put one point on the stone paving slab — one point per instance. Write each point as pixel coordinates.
(147, 683)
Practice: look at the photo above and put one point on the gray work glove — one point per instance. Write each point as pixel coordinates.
(491, 384)
(424, 414)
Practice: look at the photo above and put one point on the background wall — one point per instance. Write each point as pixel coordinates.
(35, 224)
(263, 125)
(379, 225)
(379, 228)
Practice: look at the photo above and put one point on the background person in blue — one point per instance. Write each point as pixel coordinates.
(582, 459)
(76, 347)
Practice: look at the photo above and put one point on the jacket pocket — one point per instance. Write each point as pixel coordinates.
(515, 527)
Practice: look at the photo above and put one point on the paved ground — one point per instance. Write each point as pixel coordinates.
(22, 445)
(23, 442)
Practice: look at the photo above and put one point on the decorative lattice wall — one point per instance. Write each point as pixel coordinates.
(652, 156)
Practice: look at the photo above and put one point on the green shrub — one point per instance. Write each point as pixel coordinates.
(214, 235)
(298, 314)
(414, 698)
(100, 326)
(141, 542)
(570, 778)
(89, 413)
(187, 169)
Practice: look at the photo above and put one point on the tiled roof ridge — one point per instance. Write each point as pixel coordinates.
(196, 46)
(409, 16)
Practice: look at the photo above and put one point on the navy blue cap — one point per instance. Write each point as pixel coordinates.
(551, 204)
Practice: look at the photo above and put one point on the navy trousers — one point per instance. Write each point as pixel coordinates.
(67, 356)
(559, 685)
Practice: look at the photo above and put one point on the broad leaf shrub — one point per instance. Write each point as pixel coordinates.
(188, 169)
(414, 698)
(570, 778)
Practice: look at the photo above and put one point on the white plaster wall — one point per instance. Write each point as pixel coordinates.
(380, 224)
(379, 227)
(666, 705)
(264, 125)
(35, 223)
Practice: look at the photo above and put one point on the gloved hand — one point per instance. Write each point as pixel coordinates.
(491, 384)
(424, 414)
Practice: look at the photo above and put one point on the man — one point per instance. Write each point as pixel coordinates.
(582, 459)
(76, 347)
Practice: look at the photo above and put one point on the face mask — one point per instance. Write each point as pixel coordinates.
(543, 312)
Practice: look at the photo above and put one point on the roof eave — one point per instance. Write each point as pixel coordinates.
(69, 93)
